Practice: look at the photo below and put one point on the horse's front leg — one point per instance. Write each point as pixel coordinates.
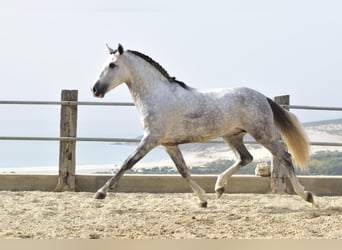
(145, 146)
(177, 158)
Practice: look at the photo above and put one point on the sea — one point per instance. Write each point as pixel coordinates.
(43, 121)
(91, 157)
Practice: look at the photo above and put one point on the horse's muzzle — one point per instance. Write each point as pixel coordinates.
(97, 91)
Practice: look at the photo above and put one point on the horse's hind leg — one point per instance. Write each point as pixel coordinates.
(243, 158)
(286, 161)
(177, 158)
(278, 150)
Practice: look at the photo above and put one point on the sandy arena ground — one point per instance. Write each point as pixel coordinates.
(47, 215)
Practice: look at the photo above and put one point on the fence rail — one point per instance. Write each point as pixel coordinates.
(78, 103)
(84, 103)
(127, 140)
(314, 108)
(69, 104)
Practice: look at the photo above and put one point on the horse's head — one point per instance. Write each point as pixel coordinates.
(113, 73)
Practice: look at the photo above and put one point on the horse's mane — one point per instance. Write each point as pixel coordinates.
(148, 59)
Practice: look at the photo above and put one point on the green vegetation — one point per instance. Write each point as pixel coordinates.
(218, 166)
(324, 163)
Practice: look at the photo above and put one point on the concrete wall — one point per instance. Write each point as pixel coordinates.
(322, 185)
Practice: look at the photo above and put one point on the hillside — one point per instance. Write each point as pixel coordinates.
(328, 127)
(322, 123)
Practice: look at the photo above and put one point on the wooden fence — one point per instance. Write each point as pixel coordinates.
(68, 137)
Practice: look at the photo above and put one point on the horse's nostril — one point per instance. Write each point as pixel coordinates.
(99, 90)
(94, 90)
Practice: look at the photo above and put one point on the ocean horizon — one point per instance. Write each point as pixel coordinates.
(42, 156)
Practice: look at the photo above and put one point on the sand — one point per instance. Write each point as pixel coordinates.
(47, 215)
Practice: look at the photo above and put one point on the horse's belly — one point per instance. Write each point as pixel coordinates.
(196, 131)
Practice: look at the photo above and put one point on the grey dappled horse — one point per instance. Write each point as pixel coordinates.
(172, 113)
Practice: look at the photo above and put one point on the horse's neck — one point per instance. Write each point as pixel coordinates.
(146, 84)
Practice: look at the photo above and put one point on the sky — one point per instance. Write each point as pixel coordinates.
(276, 47)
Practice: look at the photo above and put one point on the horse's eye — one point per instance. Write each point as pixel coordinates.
(111, 65)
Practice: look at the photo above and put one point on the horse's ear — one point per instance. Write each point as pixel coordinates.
(120, 49)
(111, 51)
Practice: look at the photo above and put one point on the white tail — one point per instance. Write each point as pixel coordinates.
(292, 133)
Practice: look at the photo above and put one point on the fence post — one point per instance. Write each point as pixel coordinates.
(67, 149)
(279, 173)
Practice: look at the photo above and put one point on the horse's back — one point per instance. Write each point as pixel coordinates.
(225, 110)
(240, 99)
(243, 108)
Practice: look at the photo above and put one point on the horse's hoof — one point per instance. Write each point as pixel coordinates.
(203, 204)
(219, 192)
(100, 195)
(310, 199)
